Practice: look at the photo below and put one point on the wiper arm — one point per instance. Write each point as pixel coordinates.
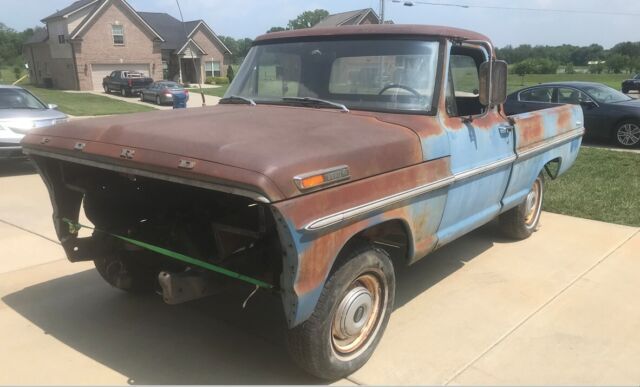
(318, 101)
(236, 98)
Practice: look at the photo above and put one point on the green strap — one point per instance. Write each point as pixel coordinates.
(75, 227)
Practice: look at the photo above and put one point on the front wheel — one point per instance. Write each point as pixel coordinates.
(349, 319)
(522, 221)
(106, 88)
(158, 101)
(627, 134)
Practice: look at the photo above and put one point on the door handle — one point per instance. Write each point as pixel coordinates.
(505, 129)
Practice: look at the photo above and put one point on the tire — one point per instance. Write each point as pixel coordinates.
(128, 274)
(522, 221)
(158, 102)
(141, 97)
(123, 92)
(350, 317)
(106, 88)
(626, 134)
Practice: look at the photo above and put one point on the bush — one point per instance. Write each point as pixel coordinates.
(221, 80)
(569, 69)
(230, 73)
(209, 81)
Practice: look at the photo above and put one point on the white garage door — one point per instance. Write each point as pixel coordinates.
(99, 71)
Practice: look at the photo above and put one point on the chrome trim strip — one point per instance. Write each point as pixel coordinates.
(154, 175)
(371, 206)
(483, 168)
(550, 143)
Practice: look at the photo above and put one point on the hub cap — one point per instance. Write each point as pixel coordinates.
(628, 134)
(532, 203)
(358, 315)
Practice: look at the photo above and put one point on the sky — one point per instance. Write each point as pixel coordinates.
(250, 18)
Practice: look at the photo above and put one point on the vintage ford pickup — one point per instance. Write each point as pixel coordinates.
(335, 155)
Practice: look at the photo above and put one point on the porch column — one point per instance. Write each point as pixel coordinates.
(180, 67)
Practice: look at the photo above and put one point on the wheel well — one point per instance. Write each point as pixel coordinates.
(553, 167)
(392, 236)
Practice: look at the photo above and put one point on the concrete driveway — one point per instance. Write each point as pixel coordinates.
(195, 100)
(559, 308)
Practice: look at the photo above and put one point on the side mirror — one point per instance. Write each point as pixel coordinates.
(588, 104)
(493, 87)
(52, 106)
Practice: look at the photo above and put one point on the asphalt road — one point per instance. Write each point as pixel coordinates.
(559, 308)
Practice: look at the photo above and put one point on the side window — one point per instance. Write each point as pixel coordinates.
(538, 94)
(571, 96)
(113, 74)
(463, 84)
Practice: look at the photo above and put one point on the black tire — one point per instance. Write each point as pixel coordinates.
(106, 88)
(316, 345)
(522, 221)
(123, 92)
(625, 90)
(141, 97)
(129, 274)
(158, 102)
(626, 134)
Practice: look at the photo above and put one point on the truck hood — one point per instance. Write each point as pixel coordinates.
(275, 143)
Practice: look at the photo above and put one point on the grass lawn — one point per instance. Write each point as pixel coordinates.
(613, 80)
(86, 104)
(602, 185)
(7, 76)
(215, 91)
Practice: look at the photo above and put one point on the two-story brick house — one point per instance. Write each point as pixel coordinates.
(89, 39)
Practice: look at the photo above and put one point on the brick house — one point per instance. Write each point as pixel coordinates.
(89, 39)
(357, 17)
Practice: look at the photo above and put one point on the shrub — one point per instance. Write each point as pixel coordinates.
(209, 80)
(221, 80)
(230, 73)
(569, 69)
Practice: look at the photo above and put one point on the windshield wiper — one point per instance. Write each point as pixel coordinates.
(317, 101)
(237, 98)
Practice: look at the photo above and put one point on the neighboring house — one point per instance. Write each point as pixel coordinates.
(89, 39)
(358, 17)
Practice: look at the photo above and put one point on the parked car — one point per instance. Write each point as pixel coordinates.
(162, 92)
(20, 112)
(631, 84)
(125, 82)
(312, 179)
(608, 114)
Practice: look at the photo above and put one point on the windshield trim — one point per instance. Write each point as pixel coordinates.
(435, 101)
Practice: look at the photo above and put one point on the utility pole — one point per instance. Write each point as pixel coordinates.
(381, 11)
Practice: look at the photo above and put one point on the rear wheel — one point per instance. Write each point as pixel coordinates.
(158, 102)
(129, 274)
(627, 134)
(123, 92)
(350, 317)
(522, 221)
(142, 96)
(625, 90)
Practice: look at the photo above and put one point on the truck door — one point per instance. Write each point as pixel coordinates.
(481, 143)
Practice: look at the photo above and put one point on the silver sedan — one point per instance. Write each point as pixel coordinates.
(21, 111)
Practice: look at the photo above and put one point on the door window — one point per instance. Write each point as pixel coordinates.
(538, 94)
(571, 96)
(463, 96)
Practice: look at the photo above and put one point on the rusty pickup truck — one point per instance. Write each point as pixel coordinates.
(336, 155)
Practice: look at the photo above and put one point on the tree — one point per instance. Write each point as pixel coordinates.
(276, 29)
(230, 73)
(596, 68)
(617, 62)
(238, 47)
(523, 68)
(307, 19)
(568, 69)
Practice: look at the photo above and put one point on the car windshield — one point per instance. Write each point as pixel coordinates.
(19, 99)
(605, 94)
(360, 74)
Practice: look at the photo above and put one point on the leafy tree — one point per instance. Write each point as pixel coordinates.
(596, 68)
(568, 69)
(230, 73)
(276, 29)
(238, 47)
(523, 68)
(307, 19)
(617, 62)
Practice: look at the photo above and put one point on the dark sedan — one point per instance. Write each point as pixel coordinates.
(631, 84)
(608, 114)
(162, 92)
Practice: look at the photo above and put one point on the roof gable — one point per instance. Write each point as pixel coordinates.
(71, 9)
(347, 18)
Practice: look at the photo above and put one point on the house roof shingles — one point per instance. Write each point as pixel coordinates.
(345, 18)
(71, 8)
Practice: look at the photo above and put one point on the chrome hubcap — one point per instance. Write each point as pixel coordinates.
(358, 315)
(629, 134)
(532, 203)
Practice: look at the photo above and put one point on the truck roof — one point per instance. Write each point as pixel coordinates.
(376, 29)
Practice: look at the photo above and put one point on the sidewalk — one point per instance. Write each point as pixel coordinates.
(561, 307)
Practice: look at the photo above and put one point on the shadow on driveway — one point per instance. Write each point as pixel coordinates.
(10, 168)
(210, 341)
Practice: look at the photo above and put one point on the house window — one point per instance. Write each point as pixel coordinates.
(118, 34)
(61, 39)
(212, 69)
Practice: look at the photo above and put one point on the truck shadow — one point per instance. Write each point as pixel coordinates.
(210, 341)
(10, 168)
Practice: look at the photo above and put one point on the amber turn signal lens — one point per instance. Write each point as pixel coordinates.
(311, 181)
(322, 178)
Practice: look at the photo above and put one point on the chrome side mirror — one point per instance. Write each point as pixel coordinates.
(52, 106)
(493, 82)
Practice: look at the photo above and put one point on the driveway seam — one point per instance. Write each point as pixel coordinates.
(29, 231)
(537, 310)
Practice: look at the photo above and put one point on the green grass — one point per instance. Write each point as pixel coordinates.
(602, 185)
(86, 104)
(7, 76)
(214, 91)
(613, 80)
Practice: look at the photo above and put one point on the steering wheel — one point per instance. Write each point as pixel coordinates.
(398, 86)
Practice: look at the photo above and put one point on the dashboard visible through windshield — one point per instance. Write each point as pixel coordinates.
(395, 75)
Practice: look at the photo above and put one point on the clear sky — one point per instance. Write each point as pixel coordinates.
(249, 18)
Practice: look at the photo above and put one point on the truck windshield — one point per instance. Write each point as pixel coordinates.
(360, 74)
